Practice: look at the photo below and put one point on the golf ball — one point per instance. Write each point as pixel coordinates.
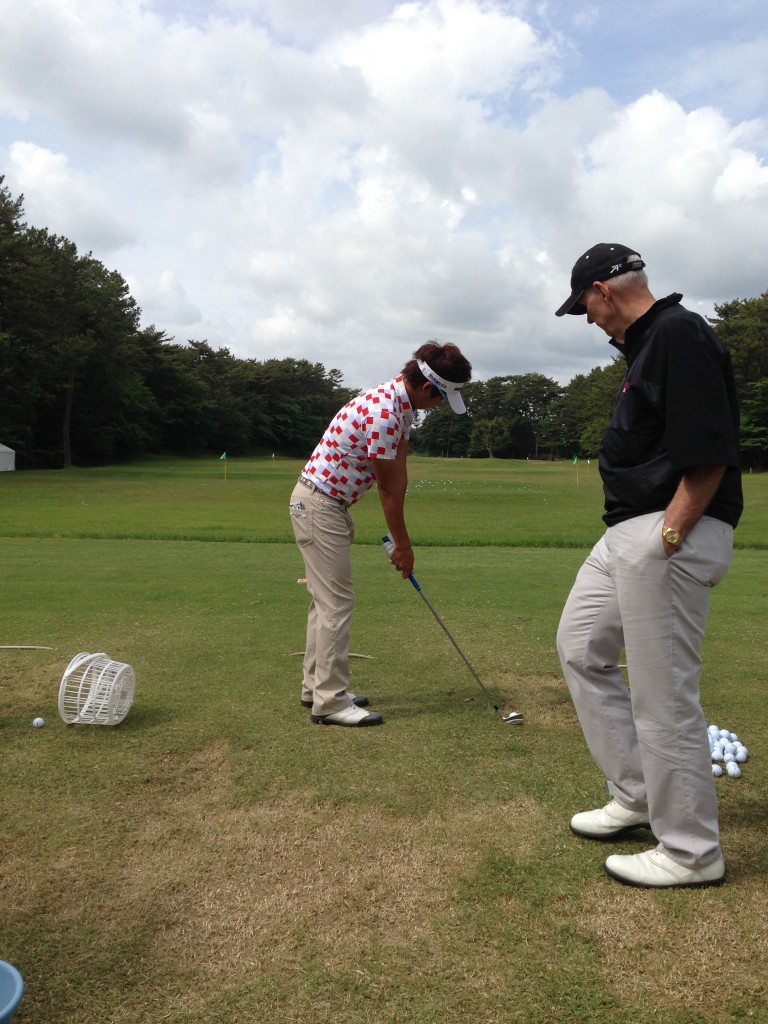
(38, 723)
(726, 747)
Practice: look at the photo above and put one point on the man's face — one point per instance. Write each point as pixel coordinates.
(600, 310)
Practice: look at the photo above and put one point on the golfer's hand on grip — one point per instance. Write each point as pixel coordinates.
(401, 556)
(402, 559)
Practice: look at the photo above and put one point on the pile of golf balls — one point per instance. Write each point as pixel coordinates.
(726, 749)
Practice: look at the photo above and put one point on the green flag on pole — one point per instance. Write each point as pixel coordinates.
(575, 459)
(224, 457)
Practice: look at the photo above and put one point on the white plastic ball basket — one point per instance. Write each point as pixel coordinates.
(96, 690)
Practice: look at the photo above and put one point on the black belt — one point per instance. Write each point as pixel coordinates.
(313, 487)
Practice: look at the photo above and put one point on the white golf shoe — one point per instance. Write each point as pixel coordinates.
(655, 870)
(351, 716)
(607, 822)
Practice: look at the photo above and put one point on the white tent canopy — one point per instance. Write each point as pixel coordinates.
(7, 458)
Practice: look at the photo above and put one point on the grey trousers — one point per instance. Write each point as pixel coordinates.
(324, 531)
(650, 738)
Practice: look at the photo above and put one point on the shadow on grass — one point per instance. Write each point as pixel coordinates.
(144, 716)
(747, 856)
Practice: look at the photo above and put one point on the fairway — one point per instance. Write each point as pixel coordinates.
(218, 858)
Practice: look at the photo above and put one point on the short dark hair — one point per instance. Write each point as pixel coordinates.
(446, 360)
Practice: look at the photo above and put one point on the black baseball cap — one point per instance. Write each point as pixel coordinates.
(600, 263)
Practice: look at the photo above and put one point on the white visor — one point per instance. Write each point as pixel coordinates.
(449, 390)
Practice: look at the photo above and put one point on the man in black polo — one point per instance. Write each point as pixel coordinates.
(669, 462)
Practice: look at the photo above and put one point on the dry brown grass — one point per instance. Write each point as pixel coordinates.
(228, 898)
(683, 951)
(252, 881)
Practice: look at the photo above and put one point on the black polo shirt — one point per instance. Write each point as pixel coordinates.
(676, 410)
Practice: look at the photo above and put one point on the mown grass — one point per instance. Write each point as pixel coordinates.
(451, 503)
(216, 857)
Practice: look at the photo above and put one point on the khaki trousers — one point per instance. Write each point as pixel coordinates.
(324, 531)
(650, 739)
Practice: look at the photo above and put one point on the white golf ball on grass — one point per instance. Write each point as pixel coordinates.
(38, 723)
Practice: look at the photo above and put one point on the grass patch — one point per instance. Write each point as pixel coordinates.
(216, 857)
(451, 503)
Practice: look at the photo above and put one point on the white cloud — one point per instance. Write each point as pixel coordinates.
(680, 183)
(340, 180)
(442, 49)
(68, 202)
(164, 301)
(98, 67)
(745, 179)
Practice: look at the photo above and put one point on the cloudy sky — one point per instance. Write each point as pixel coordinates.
(341, 180)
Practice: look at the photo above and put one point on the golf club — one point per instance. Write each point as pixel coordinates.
(512, 717)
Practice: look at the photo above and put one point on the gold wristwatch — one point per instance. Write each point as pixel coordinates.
(671, 535)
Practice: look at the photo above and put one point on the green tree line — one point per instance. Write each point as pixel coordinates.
(81, 382)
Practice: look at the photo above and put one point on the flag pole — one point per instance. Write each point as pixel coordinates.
(223, 458)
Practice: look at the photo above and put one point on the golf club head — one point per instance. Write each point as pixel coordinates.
(512, 718)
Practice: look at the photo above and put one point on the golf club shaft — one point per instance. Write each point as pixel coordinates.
(459, 651)
(513, 717)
